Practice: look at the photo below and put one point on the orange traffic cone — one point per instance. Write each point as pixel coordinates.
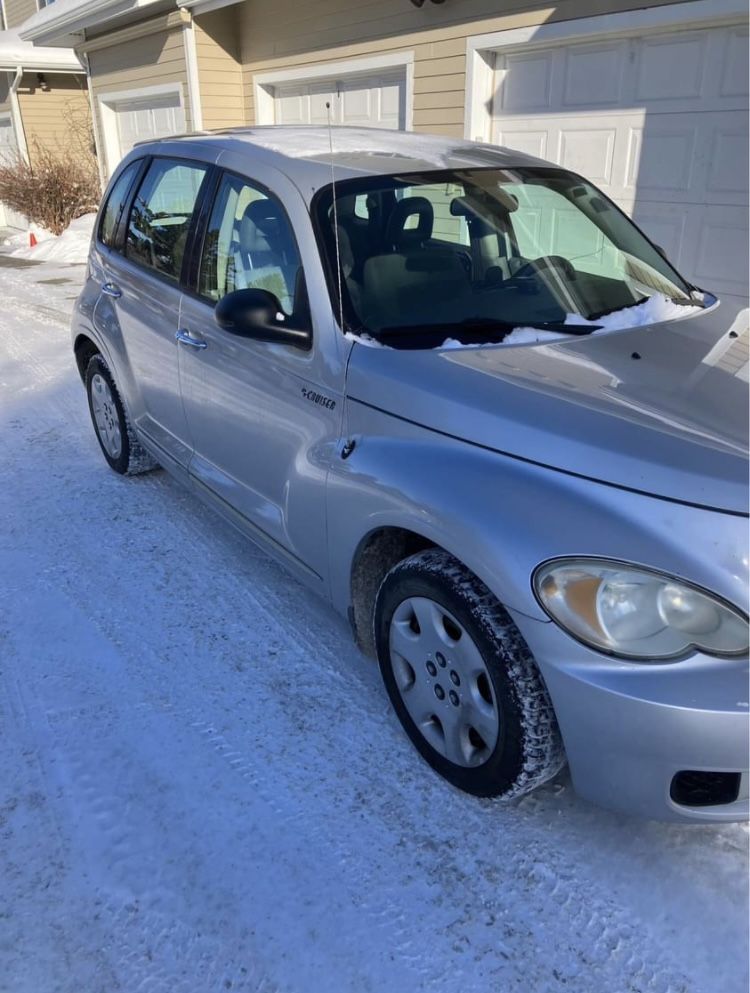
(32, 240)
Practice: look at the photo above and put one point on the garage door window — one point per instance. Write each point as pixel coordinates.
(161, 214)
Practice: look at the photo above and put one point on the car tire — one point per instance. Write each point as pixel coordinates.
(113, 429)
(462, 680)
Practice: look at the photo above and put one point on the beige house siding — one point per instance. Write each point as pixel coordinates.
(18, 11)
(220, 77)
(51, 114)
(287, 34)
(150, 54)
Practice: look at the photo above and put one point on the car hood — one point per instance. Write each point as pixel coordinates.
(659, 409)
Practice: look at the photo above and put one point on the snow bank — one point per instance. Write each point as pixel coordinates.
(72, 246)
(21, 240)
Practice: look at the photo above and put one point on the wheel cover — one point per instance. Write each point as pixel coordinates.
(105, 416)
(443, 682)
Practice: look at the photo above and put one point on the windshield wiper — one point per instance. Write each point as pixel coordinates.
(474, 325)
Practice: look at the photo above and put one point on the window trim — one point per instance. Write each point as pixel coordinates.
(209, 167)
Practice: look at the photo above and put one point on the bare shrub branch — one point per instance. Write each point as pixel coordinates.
(62, 181)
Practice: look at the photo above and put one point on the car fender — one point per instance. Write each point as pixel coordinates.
(503, 516)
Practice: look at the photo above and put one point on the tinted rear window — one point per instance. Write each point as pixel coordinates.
(115, 203)
(161, 214)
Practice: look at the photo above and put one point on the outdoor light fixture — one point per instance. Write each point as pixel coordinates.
(42, 83)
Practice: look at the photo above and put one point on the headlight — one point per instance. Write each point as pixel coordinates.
(635, 613)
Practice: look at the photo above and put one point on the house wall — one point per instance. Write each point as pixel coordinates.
(220, 75)
(18, 11)
(151, 53)
(55, 116)
(288, 34)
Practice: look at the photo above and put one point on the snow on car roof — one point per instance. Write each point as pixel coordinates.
(304, 153)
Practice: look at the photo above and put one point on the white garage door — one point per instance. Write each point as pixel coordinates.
(8, 154)
(659, 122)
(370, 101)
(146, 118)
(8, 147)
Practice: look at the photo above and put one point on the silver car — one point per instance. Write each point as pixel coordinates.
(459, 394)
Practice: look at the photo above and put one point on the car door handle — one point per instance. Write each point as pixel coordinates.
(110, 290)
(187, 339)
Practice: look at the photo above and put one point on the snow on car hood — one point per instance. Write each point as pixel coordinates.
(661, 408)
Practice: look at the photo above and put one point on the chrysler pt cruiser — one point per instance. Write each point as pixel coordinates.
(456, 391)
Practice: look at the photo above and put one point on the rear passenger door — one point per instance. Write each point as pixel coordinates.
(143, 283)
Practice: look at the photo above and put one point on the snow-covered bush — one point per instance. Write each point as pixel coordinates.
(60, 183)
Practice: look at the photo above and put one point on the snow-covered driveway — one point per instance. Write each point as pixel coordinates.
(202, 788)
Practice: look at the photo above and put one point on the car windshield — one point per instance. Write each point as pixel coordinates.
(484, 251)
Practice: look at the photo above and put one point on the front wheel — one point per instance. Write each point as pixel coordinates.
(115, 435)
(462, 679)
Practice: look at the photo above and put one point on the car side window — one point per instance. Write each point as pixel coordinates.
(249, 244)
(161, 213)
(116, 202)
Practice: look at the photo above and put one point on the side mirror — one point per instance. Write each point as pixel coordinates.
(661, 251)
(255, 314)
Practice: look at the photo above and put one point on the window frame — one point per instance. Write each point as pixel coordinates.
(192, 285)
(149, 160)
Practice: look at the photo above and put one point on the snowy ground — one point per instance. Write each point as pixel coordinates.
(202, 788)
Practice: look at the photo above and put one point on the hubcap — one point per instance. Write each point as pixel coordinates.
(443, 682)
(105, 416)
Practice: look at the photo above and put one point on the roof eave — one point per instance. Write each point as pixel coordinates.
(64, 28)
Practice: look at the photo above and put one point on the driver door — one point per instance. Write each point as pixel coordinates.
(262, 425)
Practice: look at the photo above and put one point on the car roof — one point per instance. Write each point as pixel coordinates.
(304, 153)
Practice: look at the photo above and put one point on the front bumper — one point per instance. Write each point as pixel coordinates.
(629, 728)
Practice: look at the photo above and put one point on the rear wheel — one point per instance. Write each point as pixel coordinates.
(115, 435)
(462, 679)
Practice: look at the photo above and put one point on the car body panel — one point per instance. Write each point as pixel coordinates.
(671, 422)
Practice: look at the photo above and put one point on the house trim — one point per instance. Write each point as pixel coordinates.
(107, 104)
(193, 77)
(482, 48)
(15, 112)
(264, 82)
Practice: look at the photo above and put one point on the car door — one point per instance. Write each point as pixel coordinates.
(264, 417)
(143, 285)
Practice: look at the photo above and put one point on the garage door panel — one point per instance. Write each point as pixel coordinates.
(661, 156)
(590, 150)
(722, 249)
(665, 227)
(525, 82)
(370, 101)
(528, 142)
(600, 65)
(319, 96)
(734, 77)
(143, 119)
(729, 164)
(670, 67)
(357, 105)
(664, 133)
